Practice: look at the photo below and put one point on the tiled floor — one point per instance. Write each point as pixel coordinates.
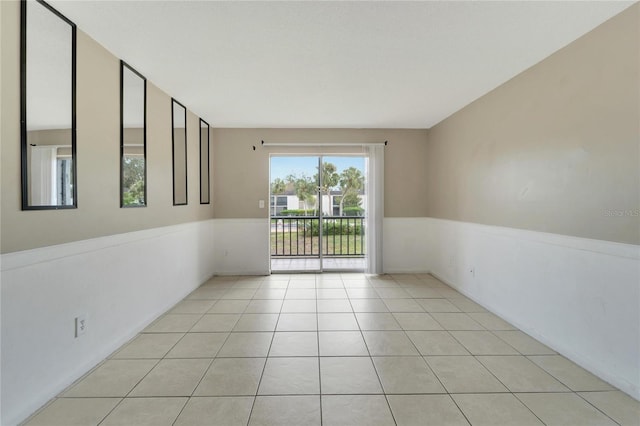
(335, 349)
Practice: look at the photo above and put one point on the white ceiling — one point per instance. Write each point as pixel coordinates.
(332, 64)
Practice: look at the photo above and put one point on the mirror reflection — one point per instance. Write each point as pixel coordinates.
(133, 170)
(47, 108)
(179, 127)
(204, 162)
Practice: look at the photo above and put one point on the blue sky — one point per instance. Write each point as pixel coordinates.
(281, 167)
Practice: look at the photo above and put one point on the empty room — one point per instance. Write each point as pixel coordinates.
(319, 213)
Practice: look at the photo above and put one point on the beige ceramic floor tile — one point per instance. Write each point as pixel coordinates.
(331, 293)
(74, 412)
(334, 305)
(392, 293)
(298, 306)
(405, 375)
(297, 322)
(342, 343)
(337, 322)
(467, 305)
(574, 377)
(256, 322)
(207, 293)
(322, 282)
(231, 376)
(491, 321)
(449, 293)
(495, 409)
(172, 377)
(464, 374)
(437, 305)
(369, 305)
(239, 293)
(521, 375)
(377, 321)
(148, 345)
(275, 284)
(173, 323)
(381, 343)
(403, 305)
(436, 410)
(483, 343)
(417, 321)
(362, 293)
(198, 345)
(112, 379)
(523, 343)
(270, 293)
(342, 410)
(216, 323)
(290, 376)
(348, 375)
(436, 343)
(192, 307)
(229, 307)
(289, 344)
(300, 293)
(424, 293)
(291, 410)
(216, 411)
(617, 405)
(456, 321)
(264, 307)
(248, 344)
(561, 409)
(145, 412)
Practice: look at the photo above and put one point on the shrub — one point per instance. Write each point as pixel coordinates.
(298, 212)
(334, 227)
(353, 211)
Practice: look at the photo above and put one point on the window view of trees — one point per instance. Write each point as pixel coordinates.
(133, 181)
(344, 188)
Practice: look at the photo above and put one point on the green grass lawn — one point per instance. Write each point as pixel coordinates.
(288, 243)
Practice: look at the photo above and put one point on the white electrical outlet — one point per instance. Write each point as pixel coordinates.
(81, 325)
(261, 204)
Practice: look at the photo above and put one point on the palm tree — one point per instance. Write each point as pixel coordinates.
(278, 186)
(351, 183)
(330, 178)
(304, 188)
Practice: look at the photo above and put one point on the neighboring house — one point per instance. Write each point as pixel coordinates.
(330, 203)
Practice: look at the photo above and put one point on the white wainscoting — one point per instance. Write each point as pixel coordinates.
(405, 245)
(121, 283)
(241, 246)
(579, 296)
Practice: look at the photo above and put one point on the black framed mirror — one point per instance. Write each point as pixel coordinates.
(133, 137)
(179, 143)
(47, 108)
(204, 163)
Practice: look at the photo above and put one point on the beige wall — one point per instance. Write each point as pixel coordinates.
(556, 149)
(98, 150)
(241, 175)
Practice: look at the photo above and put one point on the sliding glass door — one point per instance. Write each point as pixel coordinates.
(317, 211)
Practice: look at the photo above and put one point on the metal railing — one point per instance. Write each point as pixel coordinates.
(299, 236)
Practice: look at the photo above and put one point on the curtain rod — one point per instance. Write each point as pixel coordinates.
(312, 144)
